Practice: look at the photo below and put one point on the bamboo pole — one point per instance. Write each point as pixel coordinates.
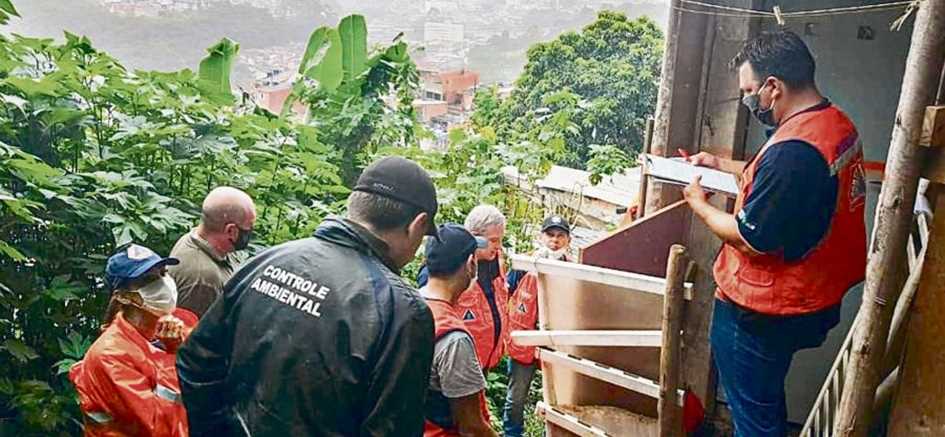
(919, 86)
(668, 405)
(896, 342)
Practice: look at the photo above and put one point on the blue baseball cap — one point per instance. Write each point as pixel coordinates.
(453, 247)
(130, 262)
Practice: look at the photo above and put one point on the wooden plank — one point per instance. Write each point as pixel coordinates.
(922, 376)
(547, 374)
(670, 417)
(933, 166)
(933, 127)
(588, 338)
(567, 421)
(642, 246)
(698, 376)
(604, 373)
(626, 280)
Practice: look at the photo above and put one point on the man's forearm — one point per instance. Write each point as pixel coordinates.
(467, 415)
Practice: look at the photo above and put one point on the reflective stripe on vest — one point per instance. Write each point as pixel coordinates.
(767, 283)
(166, 393)
(98, 417)
(846, 157)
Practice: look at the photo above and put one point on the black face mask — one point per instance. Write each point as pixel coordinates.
(242, 240)
(753, 103)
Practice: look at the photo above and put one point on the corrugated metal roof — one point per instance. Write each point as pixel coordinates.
(619, 189)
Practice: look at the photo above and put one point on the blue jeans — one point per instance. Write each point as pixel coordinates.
(753, 353)
(513, 414)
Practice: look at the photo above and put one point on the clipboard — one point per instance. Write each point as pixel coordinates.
(678, 171)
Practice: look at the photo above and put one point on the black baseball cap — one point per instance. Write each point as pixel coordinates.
(403, 180)
(556, 221)
(452, 249)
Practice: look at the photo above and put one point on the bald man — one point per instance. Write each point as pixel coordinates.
(226, 224)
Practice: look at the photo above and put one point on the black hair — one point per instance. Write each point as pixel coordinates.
(780, 54)
(382, 213)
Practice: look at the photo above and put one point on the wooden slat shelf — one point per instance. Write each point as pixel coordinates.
(604, 373)
(599, 275)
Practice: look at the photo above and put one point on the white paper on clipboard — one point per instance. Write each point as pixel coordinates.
(678, 171)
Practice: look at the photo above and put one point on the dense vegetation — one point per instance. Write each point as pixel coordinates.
(93, 155)
(603, 79)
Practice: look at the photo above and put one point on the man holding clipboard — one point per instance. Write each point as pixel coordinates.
(797, 240)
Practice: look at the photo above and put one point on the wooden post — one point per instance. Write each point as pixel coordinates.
(667, 77)
(680, 83)
(667, 406)
(894, 218)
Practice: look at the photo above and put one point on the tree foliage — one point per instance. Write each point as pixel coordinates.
(604, 79)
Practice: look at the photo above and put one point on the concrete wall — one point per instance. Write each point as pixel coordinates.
(864, 78)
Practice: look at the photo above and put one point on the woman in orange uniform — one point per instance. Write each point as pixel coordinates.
(127, 385)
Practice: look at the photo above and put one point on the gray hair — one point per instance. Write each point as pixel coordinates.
(483, 217)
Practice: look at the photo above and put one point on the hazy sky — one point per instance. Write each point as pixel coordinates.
(179, 40)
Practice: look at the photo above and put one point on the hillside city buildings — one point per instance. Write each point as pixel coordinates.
(459, 46)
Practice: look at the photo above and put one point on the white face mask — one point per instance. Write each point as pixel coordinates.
(160, 295)
(545, 252)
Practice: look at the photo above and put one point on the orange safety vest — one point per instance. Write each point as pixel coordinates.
(473, 308)
(446, 319)
(767, 283)
(126, 386)
(523, 316)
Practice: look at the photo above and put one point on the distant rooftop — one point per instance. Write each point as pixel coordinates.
(619, 189)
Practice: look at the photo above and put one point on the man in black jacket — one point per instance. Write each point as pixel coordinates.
(321, 336)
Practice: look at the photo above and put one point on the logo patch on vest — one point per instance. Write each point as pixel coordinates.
(468, 315)
(521, 308)
(857, 186)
